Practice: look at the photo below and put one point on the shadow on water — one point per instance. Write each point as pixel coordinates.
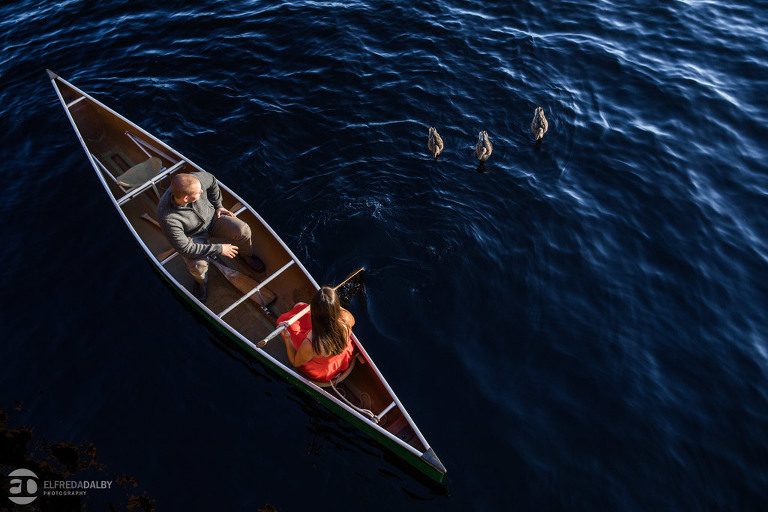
(233, 350)
(326, 427)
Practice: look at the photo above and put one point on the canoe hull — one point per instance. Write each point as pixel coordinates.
(117, 147)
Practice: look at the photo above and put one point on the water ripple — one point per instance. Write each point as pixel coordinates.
(595, 303)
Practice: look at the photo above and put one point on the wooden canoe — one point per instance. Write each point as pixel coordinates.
(135, 168)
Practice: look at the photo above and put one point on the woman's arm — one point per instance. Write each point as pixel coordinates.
(303, 354)
(347, 318)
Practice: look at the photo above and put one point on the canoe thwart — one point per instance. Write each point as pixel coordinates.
(244, 284)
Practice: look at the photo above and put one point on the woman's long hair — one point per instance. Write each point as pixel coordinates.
(329, 333)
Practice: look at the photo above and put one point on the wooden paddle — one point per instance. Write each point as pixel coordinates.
(239, 280)
(350, 276)
(304, 311)
(147, 217)
(245, 284)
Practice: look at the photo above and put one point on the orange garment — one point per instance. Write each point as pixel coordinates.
(318, 368)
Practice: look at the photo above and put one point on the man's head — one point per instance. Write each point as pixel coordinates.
(186, 188)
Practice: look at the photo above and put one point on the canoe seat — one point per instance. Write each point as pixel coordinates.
(140, 173)
(336, 380)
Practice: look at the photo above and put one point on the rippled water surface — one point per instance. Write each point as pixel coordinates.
(577, 325)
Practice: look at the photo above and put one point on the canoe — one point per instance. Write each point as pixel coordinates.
(135, 168)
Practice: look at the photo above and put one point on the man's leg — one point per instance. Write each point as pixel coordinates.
(198, 268)
(234, 229)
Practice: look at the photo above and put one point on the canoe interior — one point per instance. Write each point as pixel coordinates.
(117, 145)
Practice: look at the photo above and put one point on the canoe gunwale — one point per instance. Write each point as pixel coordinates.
(435, 471)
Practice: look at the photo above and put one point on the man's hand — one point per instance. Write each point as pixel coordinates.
(229, 250)
(225, 212)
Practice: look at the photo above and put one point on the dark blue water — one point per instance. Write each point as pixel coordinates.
(582, 326)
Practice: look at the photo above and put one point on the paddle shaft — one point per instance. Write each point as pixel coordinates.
(350, 276)
(303, 312)
(283, 327)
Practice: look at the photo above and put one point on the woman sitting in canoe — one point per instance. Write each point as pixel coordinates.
(319, 343)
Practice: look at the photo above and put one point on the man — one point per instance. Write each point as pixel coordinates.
(190, 213)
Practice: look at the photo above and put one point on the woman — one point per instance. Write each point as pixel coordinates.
(319, 343)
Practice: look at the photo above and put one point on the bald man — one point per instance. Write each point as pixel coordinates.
(190, 213)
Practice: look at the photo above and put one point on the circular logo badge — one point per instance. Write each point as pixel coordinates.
(23, 486)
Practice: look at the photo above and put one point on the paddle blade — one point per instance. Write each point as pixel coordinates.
(244, 284)
(351, 287)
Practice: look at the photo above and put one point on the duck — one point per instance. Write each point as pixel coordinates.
(483, 149)
(434, 142)
(539, 124)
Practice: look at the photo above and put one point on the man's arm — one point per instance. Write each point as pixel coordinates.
(182, 243)
(212, 190)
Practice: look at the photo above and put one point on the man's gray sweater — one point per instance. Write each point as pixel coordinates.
(187, 226)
